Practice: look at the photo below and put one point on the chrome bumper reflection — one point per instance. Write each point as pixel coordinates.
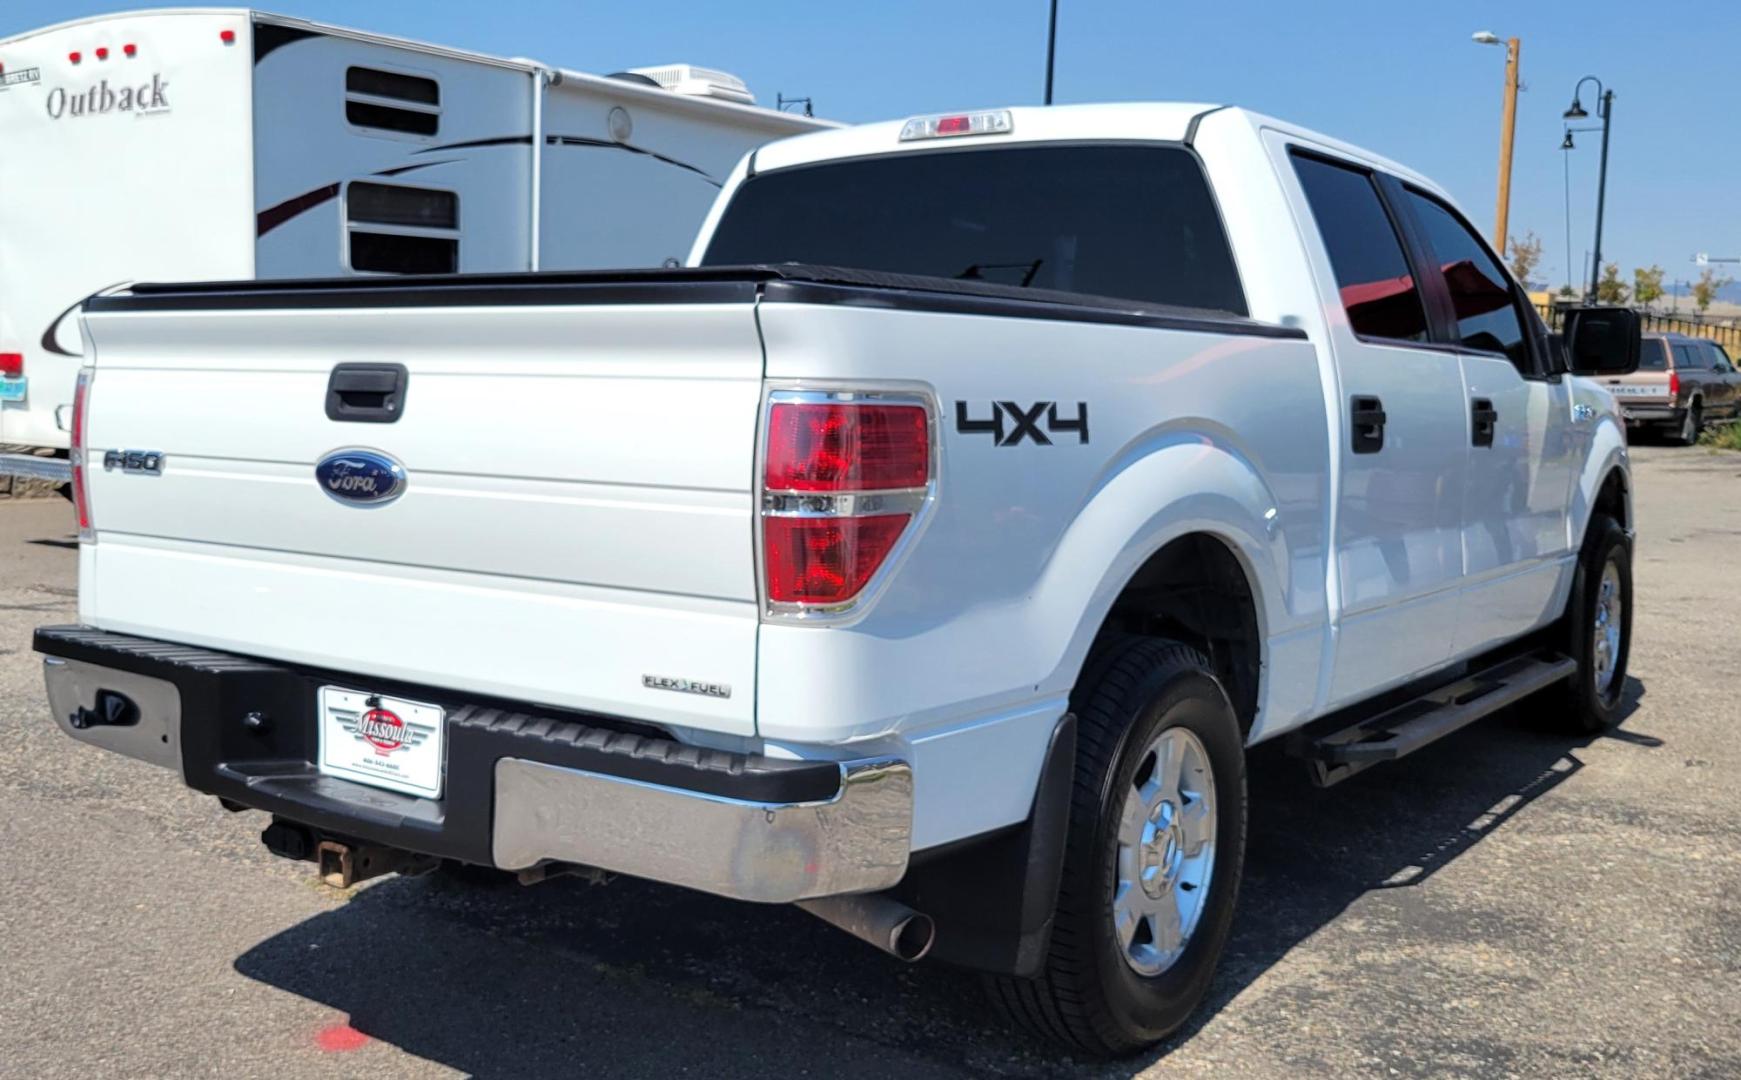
(154, 737)
(772, 853)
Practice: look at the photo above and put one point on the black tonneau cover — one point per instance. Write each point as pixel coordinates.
(775, 283)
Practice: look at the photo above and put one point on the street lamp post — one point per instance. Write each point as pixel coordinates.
(1566, 148)
(1507, 131)
(1605, 110)
(1051, 49)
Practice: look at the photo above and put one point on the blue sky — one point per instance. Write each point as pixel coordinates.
(1401, 78)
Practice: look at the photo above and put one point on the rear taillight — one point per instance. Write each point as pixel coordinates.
(845, 476)
(12, 365)
(81, 494)
(838, 446)
(1674, 384)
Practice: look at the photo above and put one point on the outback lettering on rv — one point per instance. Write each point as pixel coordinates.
(103, 98)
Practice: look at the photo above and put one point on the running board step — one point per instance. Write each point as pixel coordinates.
(1336, 755)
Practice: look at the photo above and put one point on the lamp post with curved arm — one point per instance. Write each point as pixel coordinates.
(1605, 110)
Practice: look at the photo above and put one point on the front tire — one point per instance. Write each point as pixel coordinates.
(1155, 849)
(1598, 630)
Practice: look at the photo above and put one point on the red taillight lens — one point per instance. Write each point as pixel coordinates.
(1674, 384)
(837, 446)
(81, 498)
(826, 560)
(12, 365)
(845, 476)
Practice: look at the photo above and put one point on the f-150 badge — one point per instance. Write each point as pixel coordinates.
(149, 462)
(1010, 422)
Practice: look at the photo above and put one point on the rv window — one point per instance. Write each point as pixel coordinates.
(391, 253)
(389, 204)
(389, 84)
(388, 101)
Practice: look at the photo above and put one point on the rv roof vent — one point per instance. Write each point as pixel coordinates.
(699, 81)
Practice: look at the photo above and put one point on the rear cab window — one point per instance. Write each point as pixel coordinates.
(1132, 222)
(1653, 355)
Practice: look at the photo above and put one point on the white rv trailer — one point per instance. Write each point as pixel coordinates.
(206, 144)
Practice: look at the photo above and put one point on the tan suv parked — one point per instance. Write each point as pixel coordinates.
(1682, 384)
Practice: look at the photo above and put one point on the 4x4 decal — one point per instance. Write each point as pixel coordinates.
(1010, 423)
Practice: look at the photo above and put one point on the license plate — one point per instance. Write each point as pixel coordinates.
(13, 389)
(382, 741)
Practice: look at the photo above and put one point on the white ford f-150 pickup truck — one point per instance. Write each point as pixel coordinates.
(927, 552)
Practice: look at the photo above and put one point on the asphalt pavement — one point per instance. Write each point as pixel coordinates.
(1505, 903)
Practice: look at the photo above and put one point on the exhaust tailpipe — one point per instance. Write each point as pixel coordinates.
(881, 920)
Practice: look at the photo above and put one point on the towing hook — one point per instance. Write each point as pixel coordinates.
(112, 710)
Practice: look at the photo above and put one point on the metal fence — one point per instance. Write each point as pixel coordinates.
(1724, 334)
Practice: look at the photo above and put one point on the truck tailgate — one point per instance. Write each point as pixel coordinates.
(576, 524)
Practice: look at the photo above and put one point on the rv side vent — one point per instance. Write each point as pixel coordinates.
(390, 101)
(394, 229)
(699, 82)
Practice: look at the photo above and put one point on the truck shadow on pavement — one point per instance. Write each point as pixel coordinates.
(635, 979)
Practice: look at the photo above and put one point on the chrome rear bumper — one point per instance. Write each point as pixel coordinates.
(772, 853)
(520, 789)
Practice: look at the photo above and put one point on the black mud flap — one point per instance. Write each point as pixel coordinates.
(993, 898)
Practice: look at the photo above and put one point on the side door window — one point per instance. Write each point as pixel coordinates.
(1688, 364)
(1724, 386)
(1522, 446)
(1403, 454)
(1488, 314)
(1373, 277)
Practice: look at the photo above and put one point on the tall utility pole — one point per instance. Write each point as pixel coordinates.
(1507, 129)
(1051, 49)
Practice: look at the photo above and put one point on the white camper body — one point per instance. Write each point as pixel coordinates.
(205, 144)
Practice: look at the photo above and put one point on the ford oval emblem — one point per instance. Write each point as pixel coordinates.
(360, 477)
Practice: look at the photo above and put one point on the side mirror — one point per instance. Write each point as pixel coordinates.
(1602, 340)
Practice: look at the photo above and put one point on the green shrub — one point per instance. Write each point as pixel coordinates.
(1726, 437)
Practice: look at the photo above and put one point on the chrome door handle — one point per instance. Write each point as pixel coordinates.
(1583, 414)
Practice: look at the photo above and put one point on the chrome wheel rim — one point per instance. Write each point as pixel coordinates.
(1166, 852)
(1605, 634)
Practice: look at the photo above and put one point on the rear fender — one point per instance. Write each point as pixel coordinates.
(1182, 483)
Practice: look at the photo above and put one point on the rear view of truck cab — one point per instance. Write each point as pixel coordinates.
(926, 553)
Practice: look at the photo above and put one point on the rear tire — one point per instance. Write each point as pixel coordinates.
(1121, 973)
(1598, 630)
